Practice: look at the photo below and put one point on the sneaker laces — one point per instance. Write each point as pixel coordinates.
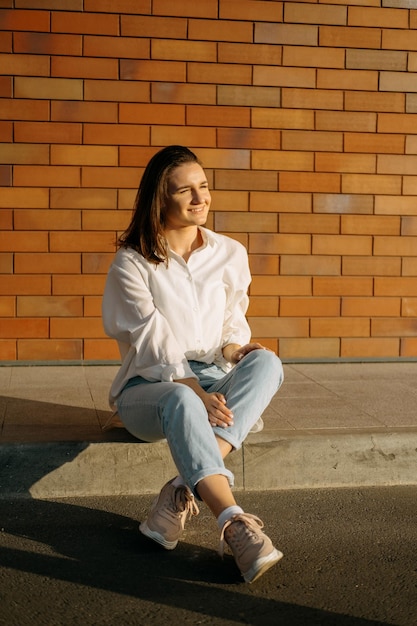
(183, 501)
(252, 525)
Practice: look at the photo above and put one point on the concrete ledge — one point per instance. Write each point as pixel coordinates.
(301, 460)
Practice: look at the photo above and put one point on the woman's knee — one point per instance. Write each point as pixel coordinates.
(267, 363)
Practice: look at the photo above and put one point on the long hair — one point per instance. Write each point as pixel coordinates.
(145, 231)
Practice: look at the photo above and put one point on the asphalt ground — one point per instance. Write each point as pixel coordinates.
(350, 559)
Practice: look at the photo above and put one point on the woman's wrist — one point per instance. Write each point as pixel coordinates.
(229, 350)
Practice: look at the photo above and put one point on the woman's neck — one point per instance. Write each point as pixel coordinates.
(183, 241)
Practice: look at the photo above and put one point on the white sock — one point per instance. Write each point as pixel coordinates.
(227, 514)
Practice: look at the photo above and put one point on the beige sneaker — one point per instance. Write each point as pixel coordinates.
(252, 549)
(166, 519)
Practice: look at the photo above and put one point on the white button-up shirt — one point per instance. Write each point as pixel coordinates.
(163, 316)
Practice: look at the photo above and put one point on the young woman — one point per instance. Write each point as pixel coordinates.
(175, 300)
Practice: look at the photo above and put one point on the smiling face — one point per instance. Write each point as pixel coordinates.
(188, 199)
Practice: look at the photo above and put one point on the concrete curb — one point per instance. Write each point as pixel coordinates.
(290, 461)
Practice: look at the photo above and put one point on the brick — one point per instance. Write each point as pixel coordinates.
(395, 286)
(153, 26)
(6, 131)
(183, 135)
(398, 81)
(47, 132)
(342, 244)
(397, 123)
(279, 327)
(6, 267)
(6, 87)
(312, 141)
(280, 202)
(92, 306)
(176, 93)
(169, 50)
(408, 307)
(308, 56)
(409, 226)
(370, 225)
(132, 69)
(23, 241)
(283, 118)
(219, 30)
(230, 200)
(44, 262)
(408, 346)
(5, 175)
(309, 307)
(220, 73)
(312, 99)
(254, 54)
(248, 138)
(24, 153)
(340, 327)
(129, 156)
(249, 180)
(46, 176)
(371, 266)
(16, 19)
(105, 220)
(351, 348)
(96, 263)
(8, 349)
(333, 162)
(412, 62)
(409, 266)
(188, 8)
(64, 5)
(314, 223)
(342, 204)
(25, 285)
(346, 121)
(309, 348)
(46, 219)
(410, 185)
(122, 6)
(6, 220)
(297, 12)
(284, 76)
(49, 350)
(115, 134)
(347, 37)
(395, 246)
(309, 181)
(74, 327)
(85, 284)
(364, 80)
(74, 67)
(303, 265)
(383, 17)
(264, 264)
(217, 116)
(220, 158)
(391, 327)
(101, 349)
(81, 242)
(14, 109)
(48, 88)
(241, 95)
(292, 34)
(256, 10)
(279, 244)
(245, 222)
(84, 112)
(394, 39)
(12, 328)
(116, 47)
(85, 23)
(24, 198)
(263, 306)
(47, 306)
(83, 198)
(342, 286)
(396, 164)
(6, 42)
(411, 145)
(116, 91)
(48, 43)
(84, 155)
(373, 101)
(285, 160)
(371, 184)
(110, 177)
(152, 113)
(371, 307)
(375, 144)
(376, 60)
(24, 64)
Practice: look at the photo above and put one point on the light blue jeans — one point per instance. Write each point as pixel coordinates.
(153, 411)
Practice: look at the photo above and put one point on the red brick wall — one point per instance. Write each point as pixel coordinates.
(305, 116)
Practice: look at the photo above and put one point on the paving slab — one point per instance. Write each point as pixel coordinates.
(331, 424)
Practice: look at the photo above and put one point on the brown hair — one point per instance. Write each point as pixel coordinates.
(145, 231)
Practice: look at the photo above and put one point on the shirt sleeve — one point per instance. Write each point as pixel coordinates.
(130, 317)
(237, 277)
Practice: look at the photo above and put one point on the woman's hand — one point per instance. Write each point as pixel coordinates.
(236, 353)
(218, 413)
